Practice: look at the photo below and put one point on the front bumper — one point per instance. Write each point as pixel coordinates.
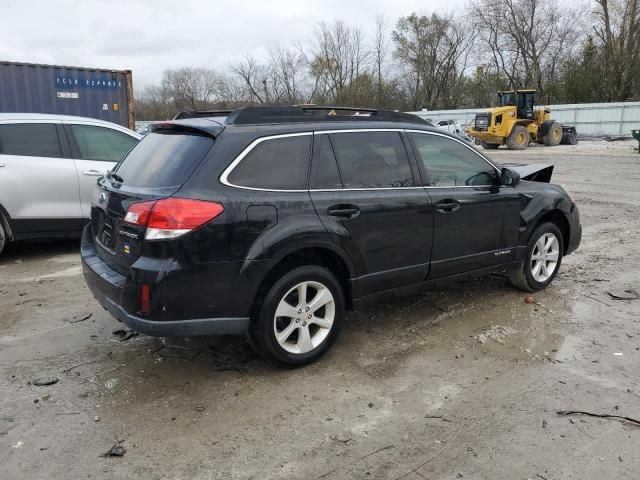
(112, 290)
(575, 229)
(485, 136)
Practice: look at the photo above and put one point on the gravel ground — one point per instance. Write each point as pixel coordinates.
(463, 382)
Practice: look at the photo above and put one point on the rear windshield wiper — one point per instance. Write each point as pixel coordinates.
(115, 176)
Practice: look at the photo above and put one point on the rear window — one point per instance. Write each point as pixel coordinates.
(165, 158)
(276, 164)
(30, 140)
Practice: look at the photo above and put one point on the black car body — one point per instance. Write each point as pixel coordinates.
(384, 203)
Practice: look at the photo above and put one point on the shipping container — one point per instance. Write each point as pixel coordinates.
(85, 92)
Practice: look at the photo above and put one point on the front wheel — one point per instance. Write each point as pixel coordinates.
(518, 139)
(544, 256)
(300, 317)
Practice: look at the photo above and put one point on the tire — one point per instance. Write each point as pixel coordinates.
(296, 349)
(3, 236)
(489, 146)
(525, 276)
(554, 136)
(518, 139)
(573, 138)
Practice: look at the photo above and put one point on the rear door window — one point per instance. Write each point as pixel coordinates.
(30, 140)
(275, 164)
(372, 160)
(164, 158)
(100, 143)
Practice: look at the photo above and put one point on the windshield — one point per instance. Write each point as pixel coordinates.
(164, 158)
(506, 99)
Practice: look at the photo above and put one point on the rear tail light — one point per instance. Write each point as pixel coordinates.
(171, 217)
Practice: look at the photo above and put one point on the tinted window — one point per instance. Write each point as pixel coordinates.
(30, 139)
(449, 163)
(324, 169)
(164, 159)
(99, 143)
(372, 159)
(277, 164)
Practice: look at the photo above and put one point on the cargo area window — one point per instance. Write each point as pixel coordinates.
(164, 158)
(99, 143)
(275, 164)
(448, 163)
(372, 160)
(30, 140)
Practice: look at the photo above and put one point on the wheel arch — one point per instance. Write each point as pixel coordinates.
(558, 218)
(323, 255)
(5, 220)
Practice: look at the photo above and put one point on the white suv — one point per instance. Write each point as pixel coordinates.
(48, 168)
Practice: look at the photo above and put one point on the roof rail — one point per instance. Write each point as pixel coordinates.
(202, 114)
(291, 114)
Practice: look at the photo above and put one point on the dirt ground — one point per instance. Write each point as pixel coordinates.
(462, 382)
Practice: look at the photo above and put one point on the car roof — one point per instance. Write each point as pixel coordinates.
(63, 118)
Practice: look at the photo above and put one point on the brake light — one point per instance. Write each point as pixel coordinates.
(172, 217)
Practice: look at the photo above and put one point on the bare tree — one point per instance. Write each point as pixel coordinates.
(617, 28)
(527, 39)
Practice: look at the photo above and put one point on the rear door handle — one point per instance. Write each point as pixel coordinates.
(2, 165)
(343, 211)
(448, 206)
(93, 173)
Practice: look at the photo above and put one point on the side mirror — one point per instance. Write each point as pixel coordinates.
(509, 177)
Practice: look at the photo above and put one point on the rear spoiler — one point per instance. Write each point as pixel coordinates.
(194, 125)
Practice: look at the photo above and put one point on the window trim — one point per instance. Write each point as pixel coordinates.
(224, 177)
(421, 163)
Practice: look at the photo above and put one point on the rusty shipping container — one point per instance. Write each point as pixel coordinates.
(85, 92)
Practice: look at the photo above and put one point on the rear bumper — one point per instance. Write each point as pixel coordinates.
(111, 289)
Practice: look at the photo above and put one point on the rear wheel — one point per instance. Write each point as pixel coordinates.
(518, 139)
(299, 317)
(489, 146)
(544, 256)
(554, 135)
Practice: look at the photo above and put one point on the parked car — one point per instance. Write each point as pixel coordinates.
(450, 126)
(48, 169)
(278, 220)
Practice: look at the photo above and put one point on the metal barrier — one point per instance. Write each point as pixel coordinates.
(588, 118)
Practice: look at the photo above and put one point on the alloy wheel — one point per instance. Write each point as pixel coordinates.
(304, 317)
(544, 258)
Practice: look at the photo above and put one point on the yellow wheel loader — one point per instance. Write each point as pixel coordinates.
(516, 122)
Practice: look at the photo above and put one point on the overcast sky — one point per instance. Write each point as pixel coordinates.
(149, 36)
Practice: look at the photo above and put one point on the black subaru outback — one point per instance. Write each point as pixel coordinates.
(275, 221)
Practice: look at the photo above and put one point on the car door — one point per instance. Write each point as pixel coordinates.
(365, 192)
(476, 219)
(38, 180)
(96, 149)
